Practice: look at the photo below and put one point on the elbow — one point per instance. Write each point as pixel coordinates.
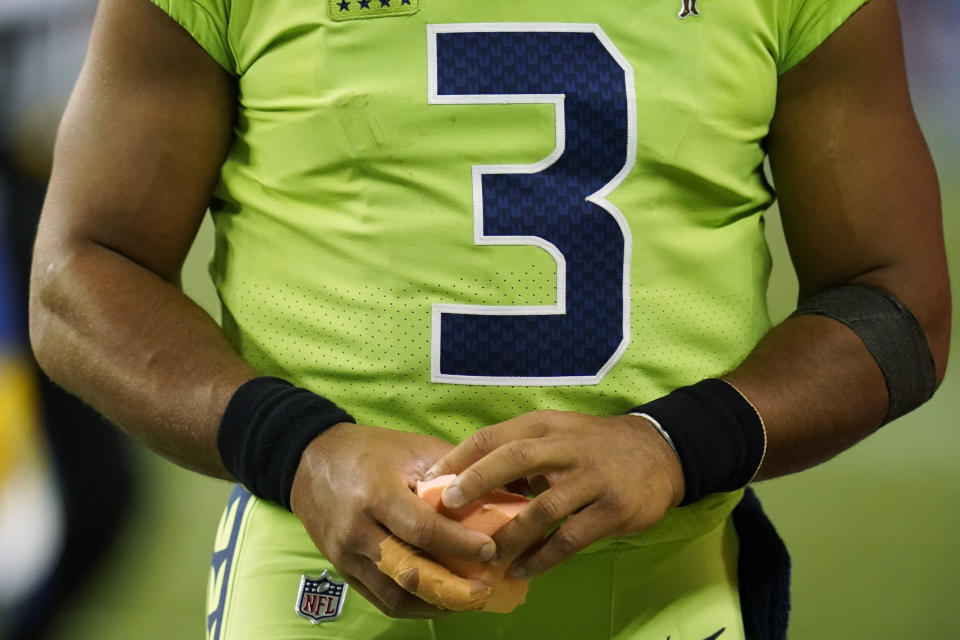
(47, 281)
(925, 292)
(928, 297)
(931, 305)
(937, 325)
(40, 328)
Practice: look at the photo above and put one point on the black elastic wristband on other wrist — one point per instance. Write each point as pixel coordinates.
(718, 436)
(267, 425)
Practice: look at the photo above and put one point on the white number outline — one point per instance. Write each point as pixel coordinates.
(598, 198)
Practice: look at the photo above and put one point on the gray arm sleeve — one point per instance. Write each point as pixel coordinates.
(891, 334)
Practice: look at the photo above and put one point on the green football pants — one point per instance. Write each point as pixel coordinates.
(684, 590)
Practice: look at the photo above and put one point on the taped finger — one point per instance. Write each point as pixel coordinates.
(386, 596)
(428, 579)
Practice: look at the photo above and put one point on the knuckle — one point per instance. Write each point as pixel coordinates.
(483, 440)
(350, 540)
(338, 546)
(422, 532)
(547, 415)
(472, 480)
(387, 611)
(336, 558)
(349, 536)
(365, 501)
(410, 580)
(547, 509)
(551, 421)
(613, 503)
(614, 520)
(518, 453)
(394, 603)
(566, 542)
(330, 543)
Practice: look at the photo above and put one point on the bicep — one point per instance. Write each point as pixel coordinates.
(141, 142)
(858, 191)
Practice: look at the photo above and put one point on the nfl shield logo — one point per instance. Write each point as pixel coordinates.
(320, 599)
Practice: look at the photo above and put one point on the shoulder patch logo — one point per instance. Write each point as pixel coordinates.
(343, 10)
(688, 8)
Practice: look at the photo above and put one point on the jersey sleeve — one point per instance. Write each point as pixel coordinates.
(808, 23)
(207, 22)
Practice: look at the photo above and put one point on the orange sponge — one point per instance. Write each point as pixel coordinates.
(486, 515)
(450, 582)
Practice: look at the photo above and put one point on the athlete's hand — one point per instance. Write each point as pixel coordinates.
(353, 488)
(602, 477)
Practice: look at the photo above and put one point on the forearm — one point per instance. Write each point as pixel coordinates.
(818, 389)
(138, 350)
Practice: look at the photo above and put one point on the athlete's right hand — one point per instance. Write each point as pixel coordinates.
(354, 487)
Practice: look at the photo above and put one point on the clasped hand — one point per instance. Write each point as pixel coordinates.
(596, 477)
(353, 489)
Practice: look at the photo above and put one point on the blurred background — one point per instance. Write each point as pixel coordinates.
(101, 539)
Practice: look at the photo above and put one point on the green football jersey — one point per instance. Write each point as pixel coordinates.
(443, 214)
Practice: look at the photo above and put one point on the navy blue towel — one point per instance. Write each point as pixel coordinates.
(763, 571)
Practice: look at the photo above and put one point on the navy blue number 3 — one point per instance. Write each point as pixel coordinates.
(557, 204)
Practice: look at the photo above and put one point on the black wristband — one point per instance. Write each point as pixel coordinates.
(267, 425)
(718, 436)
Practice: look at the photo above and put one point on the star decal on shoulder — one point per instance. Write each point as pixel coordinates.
(350, 10)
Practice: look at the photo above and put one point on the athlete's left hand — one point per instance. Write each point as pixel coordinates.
(605, 476)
